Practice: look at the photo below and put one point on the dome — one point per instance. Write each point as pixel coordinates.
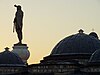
(79, 43)
(95, 57)
(8, 57)
(94, 34)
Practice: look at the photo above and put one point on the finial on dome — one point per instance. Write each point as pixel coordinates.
(6, 49)
(80, 31)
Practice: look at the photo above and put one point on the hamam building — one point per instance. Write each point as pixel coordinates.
(77, 54)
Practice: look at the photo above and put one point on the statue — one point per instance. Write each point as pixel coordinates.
(18, 23)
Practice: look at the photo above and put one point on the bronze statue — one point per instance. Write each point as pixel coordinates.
(18, 23)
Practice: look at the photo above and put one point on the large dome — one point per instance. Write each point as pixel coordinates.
(79, 43)
(95, 57)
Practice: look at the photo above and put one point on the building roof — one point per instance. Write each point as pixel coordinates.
(8, 57)
(95, 57)
(79, 43)
(94, 34)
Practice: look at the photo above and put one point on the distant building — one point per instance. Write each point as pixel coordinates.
(78, 54)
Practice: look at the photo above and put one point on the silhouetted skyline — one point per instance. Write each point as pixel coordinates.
(46, 22)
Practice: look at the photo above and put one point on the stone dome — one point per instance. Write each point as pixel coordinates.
(93, 34)
(79, 43)
(95, 57)
(8, 57)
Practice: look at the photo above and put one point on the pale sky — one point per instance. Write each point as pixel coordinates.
(46, 22)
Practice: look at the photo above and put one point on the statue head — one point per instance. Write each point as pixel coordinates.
(18, 7)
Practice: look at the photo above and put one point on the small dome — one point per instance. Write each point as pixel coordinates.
(79, 43)
(8, 57)
(94, 34)
(95, 57)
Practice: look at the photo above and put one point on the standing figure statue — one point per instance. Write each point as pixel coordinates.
(18, 23)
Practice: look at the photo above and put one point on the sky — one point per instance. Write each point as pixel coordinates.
(46, 22)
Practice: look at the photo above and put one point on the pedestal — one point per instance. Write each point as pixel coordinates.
(22, 51)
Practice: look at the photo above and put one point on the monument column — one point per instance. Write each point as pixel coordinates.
(22, 51)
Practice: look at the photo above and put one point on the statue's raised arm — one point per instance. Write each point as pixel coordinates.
(18, 23)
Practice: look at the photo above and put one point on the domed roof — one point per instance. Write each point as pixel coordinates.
(79, 43)
(94, 34)
(95, 57)
(8, 57)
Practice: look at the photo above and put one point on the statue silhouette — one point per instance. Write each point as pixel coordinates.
(18, 23)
